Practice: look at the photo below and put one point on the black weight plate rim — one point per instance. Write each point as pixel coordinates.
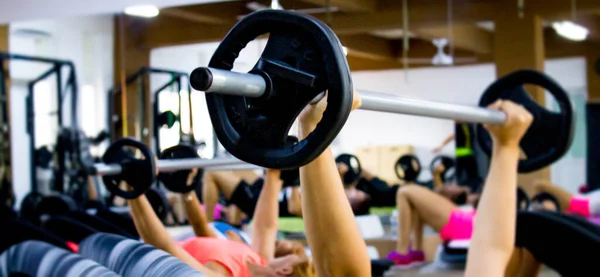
(109, 182)
(400, 160)
(441, 158)
(519, 78)
(346, 159)
(544, 196)
(166, 178)
(334, 117)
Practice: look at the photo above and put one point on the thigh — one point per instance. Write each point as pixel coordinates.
(432, 208)
(226, 181)
(247, 175)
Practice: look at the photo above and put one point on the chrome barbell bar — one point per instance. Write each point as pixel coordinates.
(212, 80)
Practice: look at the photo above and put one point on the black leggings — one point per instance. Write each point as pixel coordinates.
(245, 196)
(467, 173)
(382, 194)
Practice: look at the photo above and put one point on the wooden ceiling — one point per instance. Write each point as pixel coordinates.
(372, 29)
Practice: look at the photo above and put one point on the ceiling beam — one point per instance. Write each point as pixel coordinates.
(369, 47)
(429, 13)
(194, 16)
(166, 31)
(467, 37)
(214, 13)
(347, 5)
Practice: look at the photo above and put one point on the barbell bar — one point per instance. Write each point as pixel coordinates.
(213, 80)
(102, 169)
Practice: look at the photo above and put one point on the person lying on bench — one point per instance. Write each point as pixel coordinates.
(217, 257)
(586, 205)
(371, 191)
(418, 205)
(459, 194)
(242, 189)
(333, 237)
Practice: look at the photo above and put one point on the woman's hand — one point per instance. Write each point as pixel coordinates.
(518, 120)
(312, 114)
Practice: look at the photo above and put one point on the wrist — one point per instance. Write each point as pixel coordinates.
(506, 148)
(304, 129)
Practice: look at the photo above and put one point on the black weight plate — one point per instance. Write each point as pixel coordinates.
(176, 181)
(408, 168)
(302, 59)
(354, 168)
(29, 204)
(57, 204)
(158, 201)
(290, 177)
(550, 135)
(449, 172)
(139, 174)
(522, 200)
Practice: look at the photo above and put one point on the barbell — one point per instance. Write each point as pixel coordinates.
(120, 164)
(174, 167)
(253, 112)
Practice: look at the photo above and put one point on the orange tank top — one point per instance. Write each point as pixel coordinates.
(232, 255)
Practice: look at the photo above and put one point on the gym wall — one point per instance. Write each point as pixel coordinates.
(461, 85)
(88, 42)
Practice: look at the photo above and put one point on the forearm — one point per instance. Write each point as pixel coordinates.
(154, 233)
(495, 221)
(446, 141)
(266, 216)
(149, 226)
(295, 202)
(196, 216)
(331, 230)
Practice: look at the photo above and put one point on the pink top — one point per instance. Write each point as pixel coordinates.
(232, 255)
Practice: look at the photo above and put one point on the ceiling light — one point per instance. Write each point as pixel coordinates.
(142, 11)
(570, 30)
